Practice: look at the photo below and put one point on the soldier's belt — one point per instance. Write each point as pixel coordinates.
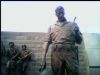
(64, 43)
(63, 46)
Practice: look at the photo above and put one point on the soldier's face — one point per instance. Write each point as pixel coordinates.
(11, 45)
(60, 14)
(24, 48)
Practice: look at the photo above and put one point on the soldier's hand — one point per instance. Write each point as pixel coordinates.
(43, 65)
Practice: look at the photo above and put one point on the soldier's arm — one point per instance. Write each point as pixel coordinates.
(28, 56)
(48, 42)
(7, 53)
(47, 45)
(17, 54)
(78, 36)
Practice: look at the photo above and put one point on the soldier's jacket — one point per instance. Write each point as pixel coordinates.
(12, 54)
(23, 53)
(65, 32)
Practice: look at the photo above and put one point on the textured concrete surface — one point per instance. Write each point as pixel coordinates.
(34, 42)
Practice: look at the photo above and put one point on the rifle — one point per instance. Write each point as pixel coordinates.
(74, 19)
(24, 57)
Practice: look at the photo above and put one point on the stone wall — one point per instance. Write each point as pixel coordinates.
(34, 42)
(92, 44)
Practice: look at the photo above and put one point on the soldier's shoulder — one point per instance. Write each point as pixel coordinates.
(52, 27)
(74, 24)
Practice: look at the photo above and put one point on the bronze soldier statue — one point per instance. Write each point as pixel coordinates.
(63, 36)
(22, 63)
(12, 55)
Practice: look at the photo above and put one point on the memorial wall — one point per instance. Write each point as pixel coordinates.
(89, 51)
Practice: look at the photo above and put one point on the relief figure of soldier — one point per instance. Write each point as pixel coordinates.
(12, 57)
(24, 57)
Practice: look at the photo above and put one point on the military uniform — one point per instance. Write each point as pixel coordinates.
(22, 63)
(64, 56)
(12, 59)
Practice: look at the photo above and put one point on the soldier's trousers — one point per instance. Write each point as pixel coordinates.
(21, 68)
(11, 68)
(64, 60)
